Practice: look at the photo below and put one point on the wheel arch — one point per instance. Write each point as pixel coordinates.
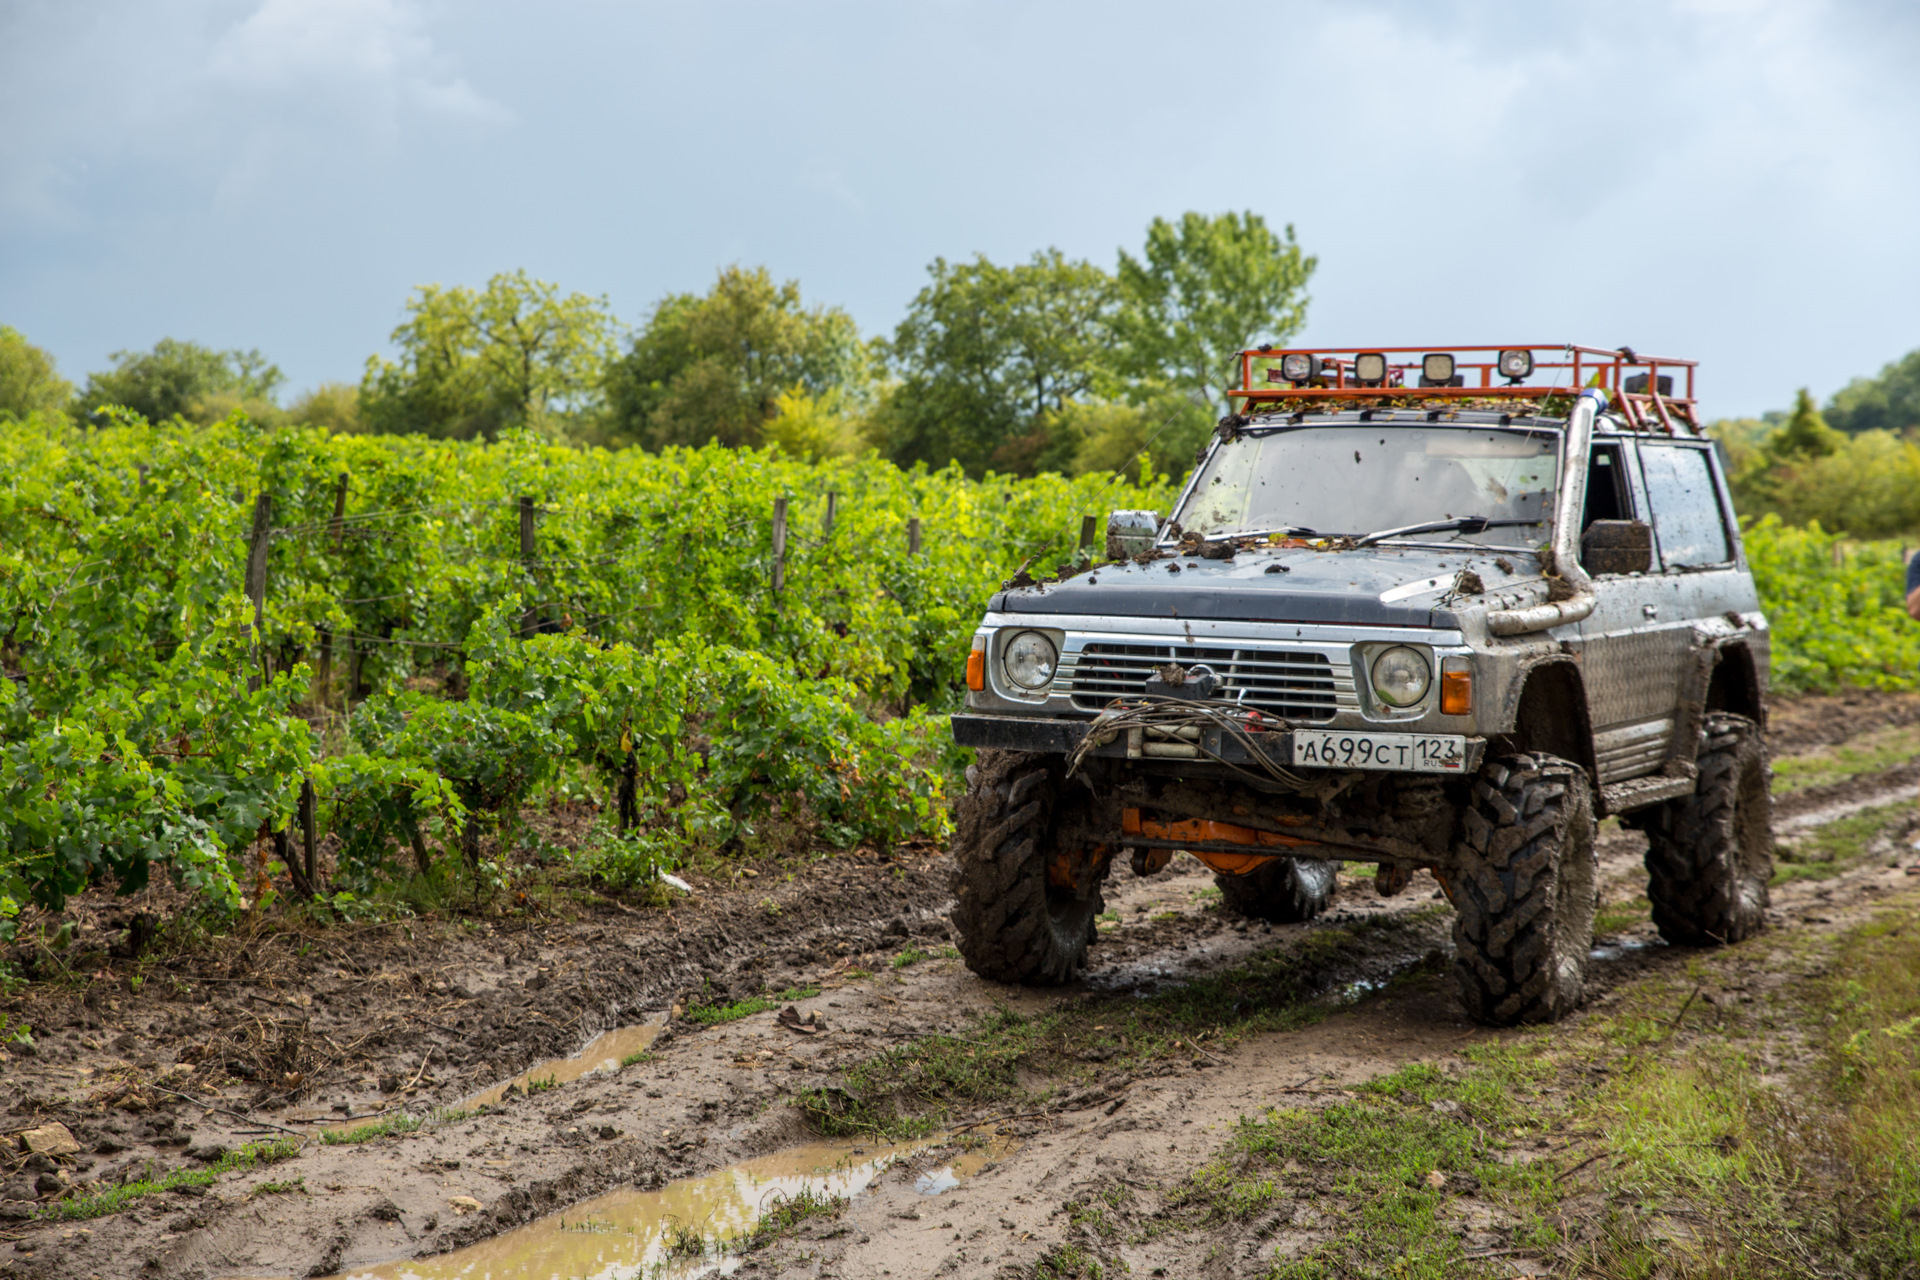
(1734, 683)
(1547, 712)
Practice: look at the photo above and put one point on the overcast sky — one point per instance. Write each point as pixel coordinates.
(1733, 180)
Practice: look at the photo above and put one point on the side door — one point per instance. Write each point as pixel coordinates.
(1631, 662)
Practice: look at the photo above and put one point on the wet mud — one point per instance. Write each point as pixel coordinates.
(587, 1167)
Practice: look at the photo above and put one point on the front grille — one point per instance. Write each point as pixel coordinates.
(1285, 682)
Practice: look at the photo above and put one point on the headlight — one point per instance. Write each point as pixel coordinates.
(1400, 676)
(1028, 660)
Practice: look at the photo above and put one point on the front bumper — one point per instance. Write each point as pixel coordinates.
(1061, 736)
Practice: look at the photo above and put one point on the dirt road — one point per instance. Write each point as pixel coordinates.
(983, 1130)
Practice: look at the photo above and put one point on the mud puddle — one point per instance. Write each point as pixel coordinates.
(605, 1052)
(685, 1228)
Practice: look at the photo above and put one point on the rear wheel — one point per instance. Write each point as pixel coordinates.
(1710, 855)
(1015, 923)
(1285, 890)
(1524, 885)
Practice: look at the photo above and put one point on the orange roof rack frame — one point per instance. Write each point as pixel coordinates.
(1647, 391)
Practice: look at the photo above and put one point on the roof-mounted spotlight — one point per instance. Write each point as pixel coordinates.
(1436, 370)
(1298, 366)
(1370, 369)
(1515, 366)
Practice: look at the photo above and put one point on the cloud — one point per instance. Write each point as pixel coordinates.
(352, 47)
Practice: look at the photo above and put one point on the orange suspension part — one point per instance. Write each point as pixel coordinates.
(1207, 831)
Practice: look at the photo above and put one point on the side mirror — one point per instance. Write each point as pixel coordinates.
(1131, 533)
(1617, 546)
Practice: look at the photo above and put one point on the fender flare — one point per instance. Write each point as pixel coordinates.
(1567, 729)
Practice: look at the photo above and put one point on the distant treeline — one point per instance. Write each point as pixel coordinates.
(1851, 468)
(1053, 364)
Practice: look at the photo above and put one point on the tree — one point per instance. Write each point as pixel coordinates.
(29, 383)
(186, 380)
(515, 354)
(1889, 402)
(715, 367)
(333, 405)
(985, 356)
(1806, 434)
(1204, 289)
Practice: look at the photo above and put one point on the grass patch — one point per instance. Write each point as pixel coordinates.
(1384, 1168)
(537, 1085)
(1621, 917)
(1869, 753)
(1067, 1262)
(100, 1203)
(286, 1188)
(635, 1059)
(712, 1015)
(909, 956)
(399, 1122)
(1828, 850)
(786, 1213)
(910, 1090)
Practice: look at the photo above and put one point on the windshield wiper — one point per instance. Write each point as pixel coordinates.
(1285, 531)
(1462, 524)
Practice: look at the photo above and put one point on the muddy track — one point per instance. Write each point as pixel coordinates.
(489, 1004)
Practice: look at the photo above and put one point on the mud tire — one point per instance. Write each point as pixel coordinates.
(1710, 855)
(1012, 925)
(1524, 887)
(1285, 891)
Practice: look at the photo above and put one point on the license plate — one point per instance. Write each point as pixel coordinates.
(1411, 752)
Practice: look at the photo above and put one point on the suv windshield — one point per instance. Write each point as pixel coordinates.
(1356, 478)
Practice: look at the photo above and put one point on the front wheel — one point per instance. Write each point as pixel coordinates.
(1014, 923)
(1285, 890)
(1524, 884)
(1710, 854)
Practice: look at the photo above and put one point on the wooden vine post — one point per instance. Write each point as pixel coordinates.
(779, 549)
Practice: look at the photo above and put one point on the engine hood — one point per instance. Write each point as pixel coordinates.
(1372, 586)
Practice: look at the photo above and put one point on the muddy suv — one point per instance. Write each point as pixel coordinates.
(1429, 609)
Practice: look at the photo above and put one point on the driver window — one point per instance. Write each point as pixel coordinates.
(1606, 487)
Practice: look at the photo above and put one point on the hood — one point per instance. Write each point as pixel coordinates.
(1373, 586)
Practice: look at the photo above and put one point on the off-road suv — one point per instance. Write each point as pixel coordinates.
(1439, 608)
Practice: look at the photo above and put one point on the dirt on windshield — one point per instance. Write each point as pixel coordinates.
(791, 1072)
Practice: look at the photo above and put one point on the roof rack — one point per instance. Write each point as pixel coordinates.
(1642, 387)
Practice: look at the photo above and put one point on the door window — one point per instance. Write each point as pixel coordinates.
(1686, 505)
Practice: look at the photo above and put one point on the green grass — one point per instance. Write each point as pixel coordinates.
(1873, 752)
(711, 1015)
(1067, 1262)
(400, 1122)
(100, 1203)
(786, 1213)
(288, 1187)
(1621, 916)
(909, 956)
(634, 1059)
(1007, 1059)
(538, 1085)
(1369, 1165)
(1827, 851)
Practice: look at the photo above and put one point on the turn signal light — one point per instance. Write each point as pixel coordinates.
(1456, 688)
(977, 670)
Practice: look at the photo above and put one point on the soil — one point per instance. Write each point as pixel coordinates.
(207, 1044)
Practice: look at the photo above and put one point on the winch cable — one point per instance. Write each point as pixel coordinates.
(1159, 712)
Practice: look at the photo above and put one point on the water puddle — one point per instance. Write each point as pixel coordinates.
(604, 1052)
(678, 1231)
(1614, 950)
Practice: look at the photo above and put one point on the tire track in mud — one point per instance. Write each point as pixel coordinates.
(709, 1097)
